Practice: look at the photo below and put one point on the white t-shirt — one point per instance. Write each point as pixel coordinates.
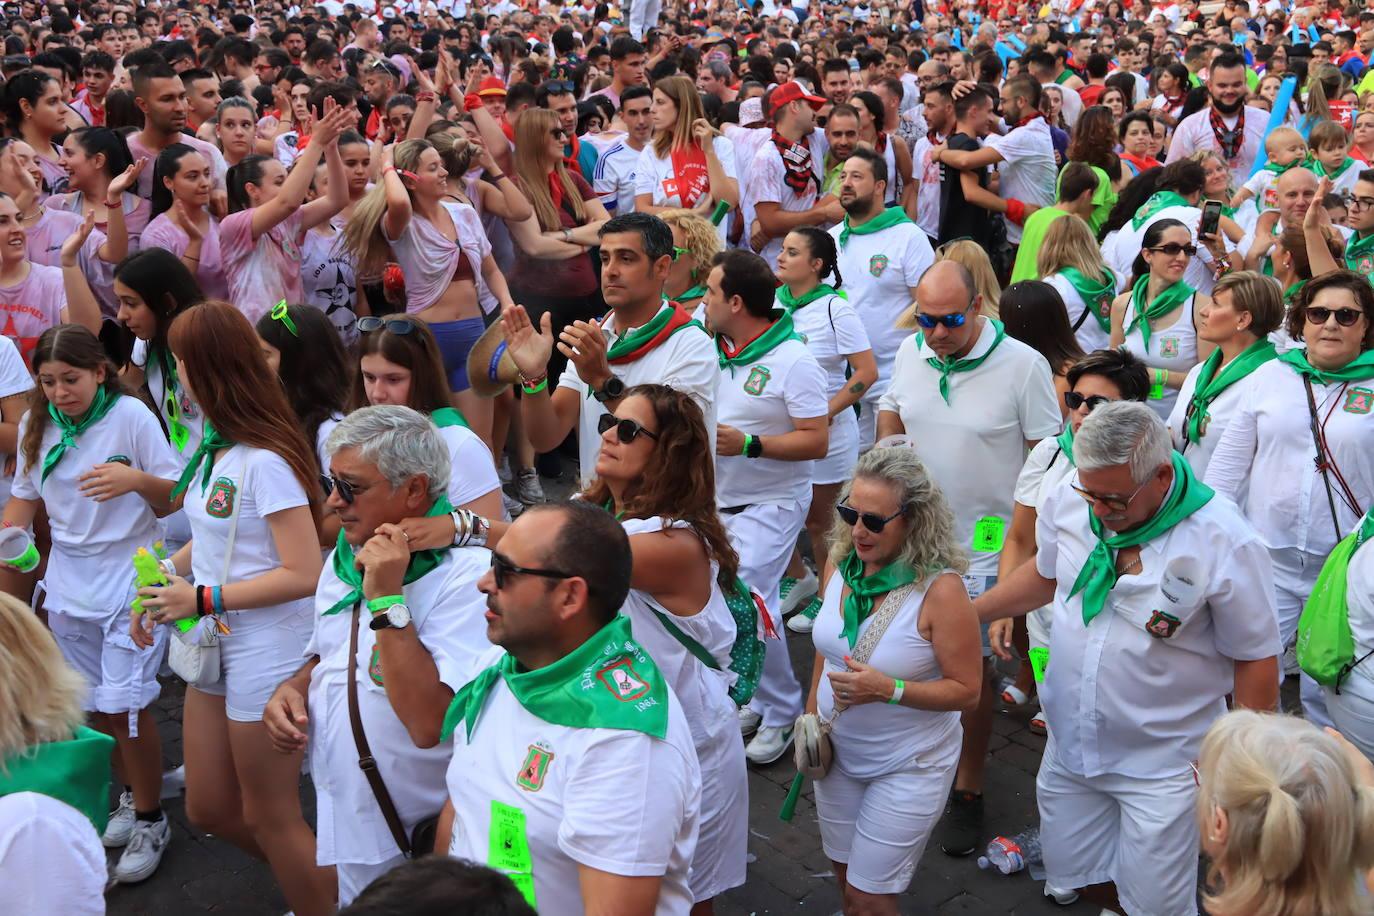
(613, 180)
(880, 270)
(974, 446)
(1089, 334)
(472, 473)
(761, 399)
(1045, 467)
(766, 183)
(685, 361)
(191, 417)
(93, 543)
(654, 175)
(322, 437)
(1028, 170)
(578, 814)
(330, 278)
(1219, 414)
(1194, 133)
(447, 613)
(32, 306)
(832, 331)
(927, 172)
(51, 860)
(14, 379)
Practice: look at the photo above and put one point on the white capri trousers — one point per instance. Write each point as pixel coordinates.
(1295, 573)
(121, 676)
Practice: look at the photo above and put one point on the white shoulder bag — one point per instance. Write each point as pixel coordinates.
(194, 655)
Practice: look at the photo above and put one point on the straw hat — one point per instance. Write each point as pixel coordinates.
(490, 368)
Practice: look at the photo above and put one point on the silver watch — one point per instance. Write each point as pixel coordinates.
(397, 616)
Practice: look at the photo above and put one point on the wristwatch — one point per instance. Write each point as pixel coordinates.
(397, 616)
(613, 390)
(755, 447)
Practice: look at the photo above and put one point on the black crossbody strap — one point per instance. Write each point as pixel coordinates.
(366, 763)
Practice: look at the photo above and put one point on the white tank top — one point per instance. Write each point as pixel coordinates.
(1089, 333)
(894, 178)
(875, 739)
(1173, 348)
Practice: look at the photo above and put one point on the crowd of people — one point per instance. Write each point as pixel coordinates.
(952, 340)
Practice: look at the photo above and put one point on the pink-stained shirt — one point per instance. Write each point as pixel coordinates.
(54, 176)
(45, 239)
(137, 212)
(163, 233)
(218, 167)
(30, 307)
(428, 258)
(262, 273)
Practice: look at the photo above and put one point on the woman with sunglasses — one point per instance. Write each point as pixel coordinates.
(648, 474)
(695, 244)
(896, 731)
(1264, 460)
(1156, 319)
(1100, 377)
(250, 493)
(688, 163)
(399, 363)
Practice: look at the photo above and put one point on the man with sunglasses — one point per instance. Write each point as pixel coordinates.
(405, 626)
(381, 80)
(1163, 603)
(573, 767)
(773, 422)
(559, 96)
(975, 400)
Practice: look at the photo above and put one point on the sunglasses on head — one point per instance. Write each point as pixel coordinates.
(502, 569)
(872, 520)
(1073, 400)
(950, 321)
(626, 430)
(369, 323)
(560, 87)
(332, 483)
(1173, 249)
(1344, 317)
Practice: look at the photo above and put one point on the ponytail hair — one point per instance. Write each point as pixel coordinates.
(247, 171)
(821, 244)
(24, 86)
(1140, 267)
(363, 236)
(102, 141)
(167, 165)
(76, 346)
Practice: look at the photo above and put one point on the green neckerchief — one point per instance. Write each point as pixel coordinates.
(1065, 440)
(886, 218)
(947, 367)
(1357, 370)
(779, 332)
(858, 604)
(1146, 315)
(792, 303)
(1309, 163)
(1098, 576)
(1366, 530)
(1292, 292)
(166, 362)
(607, 682)
(1340, 170)
(1160, 200)
(210, 443)
(1359, 246)
(422, 562)
(76, 772)
(1094, 293)
(445, 417)
(1211, 383)
(696, 292)
(71, 430)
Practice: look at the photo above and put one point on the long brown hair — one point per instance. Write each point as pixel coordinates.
(684, 94)
(237, 391)
(76, 346)
(416, 350)
(363, 236)
(680, 482)
(531, 138)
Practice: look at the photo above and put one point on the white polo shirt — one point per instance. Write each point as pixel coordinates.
(974, 446)
(1128, 702)
(832, 331)
(1046, 466)
(1027, 169)
(761, 399)
(447, 613)
(686, 361)
(615, 800)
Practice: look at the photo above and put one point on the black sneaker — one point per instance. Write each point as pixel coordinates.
(962, 826)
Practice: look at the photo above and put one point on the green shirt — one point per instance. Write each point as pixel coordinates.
(1032, 237)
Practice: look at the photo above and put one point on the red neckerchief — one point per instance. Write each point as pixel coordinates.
(679, 319)
(1228, 140)
(555, 189)
(690, 179)
(374, 124)
(1172, 102)
(934, 137)
(796, 162)
(576, 145)
(732, 352)
(881, 145)
(1026, 120)
(1144, 163)
(508, 130)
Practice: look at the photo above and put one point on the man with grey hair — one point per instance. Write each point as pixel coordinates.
(715, 78)
(1163, 603)
(405, 628)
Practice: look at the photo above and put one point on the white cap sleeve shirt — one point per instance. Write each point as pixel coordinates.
(472, 472)
(614, 800)
(974, 446)
(1088, 332)
(761, 399)
(51, 860)
(447, 614)
(1219, 415)
(1133, 692)
(191, 417)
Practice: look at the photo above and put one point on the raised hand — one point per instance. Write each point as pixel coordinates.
(529, 348)
(182, 217)
(72, 246)
(124, 181)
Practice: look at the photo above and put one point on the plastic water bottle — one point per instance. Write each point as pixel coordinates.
(1003, 854)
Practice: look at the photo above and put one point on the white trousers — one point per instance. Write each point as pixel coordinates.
(1352, 710)
(1295, 573)
(644, 16)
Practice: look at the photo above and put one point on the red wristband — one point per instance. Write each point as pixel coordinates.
(1016, 211)
(472, 101)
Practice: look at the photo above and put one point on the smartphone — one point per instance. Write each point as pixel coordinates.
(1211, 218)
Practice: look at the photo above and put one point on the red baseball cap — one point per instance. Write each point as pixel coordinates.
(492, 85)
(792, 92)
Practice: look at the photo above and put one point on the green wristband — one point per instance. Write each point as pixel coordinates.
(744, 449)
(898, 687)
(384, 602)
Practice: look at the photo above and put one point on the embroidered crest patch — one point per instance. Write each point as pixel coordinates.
(757, 380)
(877, 264)
(621, 679)
(221, 501)
(1357, 400)
(1365, 265)
(1162, 625)
(374, 667)
(1168, 347)
(535, 768)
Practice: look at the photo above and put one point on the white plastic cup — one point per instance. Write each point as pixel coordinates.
(17, 550)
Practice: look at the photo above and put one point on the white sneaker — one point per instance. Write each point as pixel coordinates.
(800, 623)
(513, 506)
(528, 489)
(121, 823)
(144, 852)
(770, 743)
(796, 593)
(174, 782)
(748, 720)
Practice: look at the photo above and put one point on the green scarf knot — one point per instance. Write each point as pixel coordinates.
(1065, 440)
(422, 562)
(1094, 293)
(886, 218)
(1145, 315)
(947, 366)
(1160, 200)
(72, 429)
(1322, 172)
(1211, 383)
(792, 303)
(696, 292)
(1098, 576)
(778, 333)
(858, 604)
(629, 347)
(210, 443)
(607, 682)
(1357, 370)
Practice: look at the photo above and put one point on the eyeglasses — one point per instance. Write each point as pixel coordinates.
(501, 568)
(1073, 400)
(558, 133)
(332, 483)
(1344, 317)
(369, 323)
(626, 430)
(1174, 249)
(1115, 503)
(872, 520)
(950, 321)
(1362, 203)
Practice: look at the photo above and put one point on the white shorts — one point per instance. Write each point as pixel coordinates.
(122, 677)
(264, 647)
(1352, 710)
(1140, 833)
(722, 854)
(354, 878)
(868, 414)
(879, 827)
(838, 464)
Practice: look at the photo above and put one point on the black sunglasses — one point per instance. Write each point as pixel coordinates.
(1073, 400)
(1173, 249)
(559, 87)
(1346, 318)
(369, 323)
(502, 568)
(872, 520)
(331, 483)
(626, 430)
